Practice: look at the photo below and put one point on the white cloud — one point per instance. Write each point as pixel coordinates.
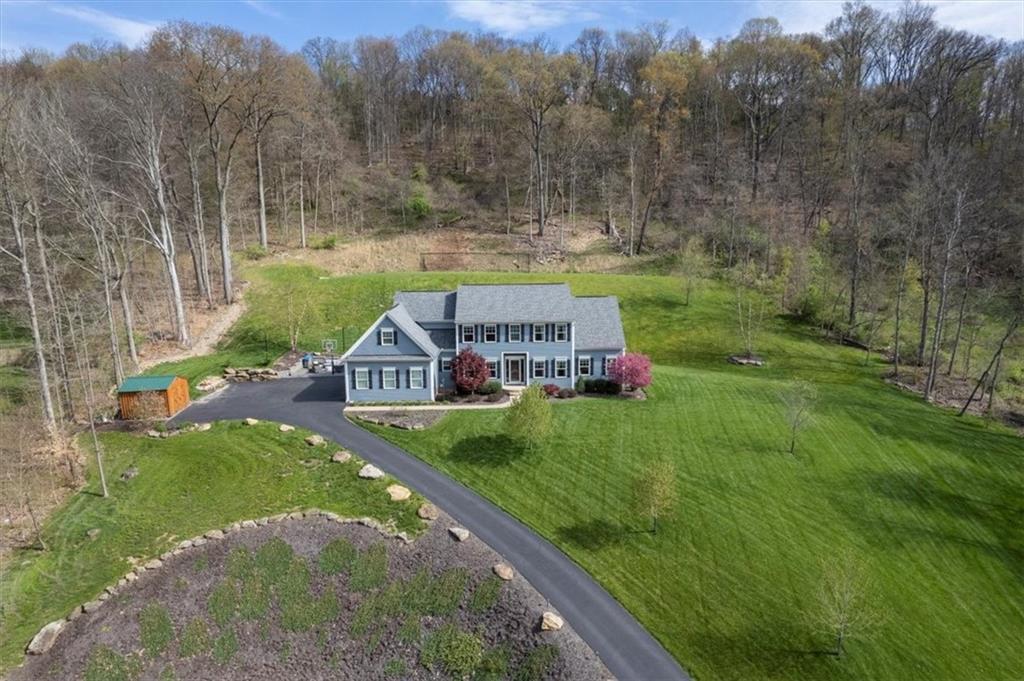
(996, 18)
(128, 31)
(264, 8)
(511, 16)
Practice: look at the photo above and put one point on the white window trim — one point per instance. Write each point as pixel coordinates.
(365, 375)
(492, 362)
(384, 378)
(416, 374)
(564, 329)
(518, 327)
(565, 367)
(388, 330)
(446, 361)
(491, 326)
(472, 333)
(543, 328)
(590, 365)
(543, 368)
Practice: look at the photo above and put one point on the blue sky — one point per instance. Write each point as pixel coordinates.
(54, 25)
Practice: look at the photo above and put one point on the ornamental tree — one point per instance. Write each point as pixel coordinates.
(632, 370)
(529, 419)
(469, 370)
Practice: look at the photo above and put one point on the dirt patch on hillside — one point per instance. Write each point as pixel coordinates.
(380, 632)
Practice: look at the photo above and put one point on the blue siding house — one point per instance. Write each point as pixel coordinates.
(528, 333)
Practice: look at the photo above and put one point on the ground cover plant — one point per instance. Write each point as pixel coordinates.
(190, 619)
(185, 485)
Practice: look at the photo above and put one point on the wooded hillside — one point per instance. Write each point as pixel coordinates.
(868, 180)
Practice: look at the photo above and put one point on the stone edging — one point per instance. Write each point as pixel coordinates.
(48, 634)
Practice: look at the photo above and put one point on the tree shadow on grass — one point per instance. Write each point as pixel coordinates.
(594, 534)
(488, 450)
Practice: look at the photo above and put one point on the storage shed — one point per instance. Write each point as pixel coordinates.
(147, 397)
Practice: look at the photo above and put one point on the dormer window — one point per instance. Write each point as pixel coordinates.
(561, 332)
(387, 336)
(539, 335)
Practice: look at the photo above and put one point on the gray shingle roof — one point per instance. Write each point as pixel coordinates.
(443, 338)
(400, 316)
(428, 306)
(598, 325)
(513, 303)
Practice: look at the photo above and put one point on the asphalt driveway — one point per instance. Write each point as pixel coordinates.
(629, 652)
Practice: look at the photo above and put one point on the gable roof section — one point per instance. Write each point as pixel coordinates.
(598, 325)
(399, 316)
(428, 306)
(139, 384)
(479, 303)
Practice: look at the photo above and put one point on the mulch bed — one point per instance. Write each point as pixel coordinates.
(266, 651)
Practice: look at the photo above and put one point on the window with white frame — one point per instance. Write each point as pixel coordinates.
(362, 379)
(584, 365)
(387, 336)
(389, 379)
(539, 333)
(561, 367)
(561, 333)
(608, 364)
(515, 333)
(490, 333)
(468, 333)
(540, 369)
(492, 368)
(446, 364)
(416, 377)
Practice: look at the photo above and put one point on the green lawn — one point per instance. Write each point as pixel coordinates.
(186, 485)
(931, 503)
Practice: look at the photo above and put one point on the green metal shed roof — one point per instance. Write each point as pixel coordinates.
(138, 384)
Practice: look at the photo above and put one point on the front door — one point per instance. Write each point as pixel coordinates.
(515, 370)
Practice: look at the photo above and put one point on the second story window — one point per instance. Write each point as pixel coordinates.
(490, 333)
(389, 379)
(387, 336)
(561, 333)
(539, 333)
(515, 333)
(469, 334)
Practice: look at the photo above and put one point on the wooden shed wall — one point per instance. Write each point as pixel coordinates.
(177, 396)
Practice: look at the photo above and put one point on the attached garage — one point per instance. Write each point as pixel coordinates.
(148, 397)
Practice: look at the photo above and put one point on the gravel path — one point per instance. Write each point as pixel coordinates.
(624, 646)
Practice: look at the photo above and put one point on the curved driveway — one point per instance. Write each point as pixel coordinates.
(625, 647)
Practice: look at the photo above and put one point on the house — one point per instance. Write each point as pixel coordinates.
(146, 397)
(528, 333)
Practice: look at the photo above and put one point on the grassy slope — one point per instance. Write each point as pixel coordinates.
(186, 485)
(930, 502)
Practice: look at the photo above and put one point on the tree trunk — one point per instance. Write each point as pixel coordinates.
(126, 313)
(65, 404)
(261, 192)
(21, 256)
(995, 358)
(959, 323)
(223, 180)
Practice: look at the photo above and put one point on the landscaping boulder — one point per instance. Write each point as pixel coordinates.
(129, 473)
(249, 524)
(341, 456)
(203, 427)
(91, 606)
(504, 571)
(314, 440)
(549, 621)
(428, 512)
(251, 421)
(93, 533)
(285, 428)
(152, 433)
(370, 472)
(459, 533)
(398, 492)
(214, 534)
(210, 383)
(46, 637)
(154, 564)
